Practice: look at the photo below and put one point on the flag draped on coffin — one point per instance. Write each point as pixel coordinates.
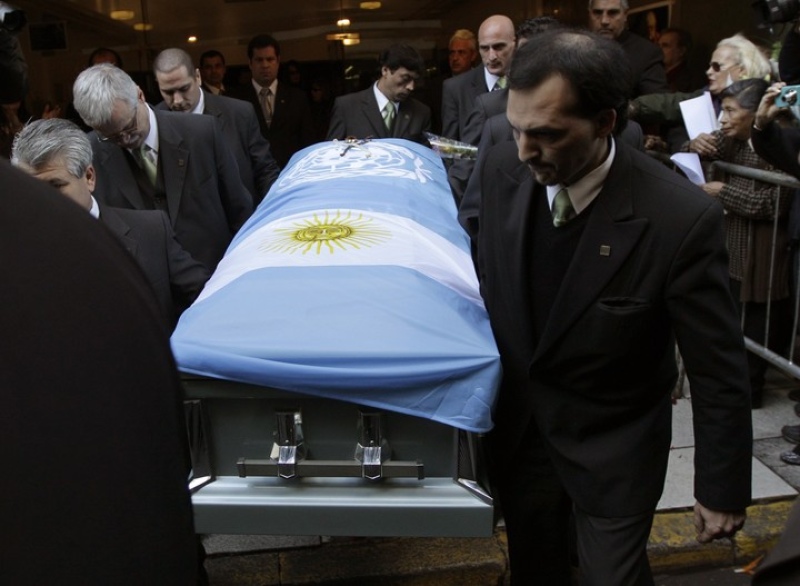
(352, 281)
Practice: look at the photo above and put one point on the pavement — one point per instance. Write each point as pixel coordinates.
(278, 560)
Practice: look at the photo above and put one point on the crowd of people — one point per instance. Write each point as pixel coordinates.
(594, 258)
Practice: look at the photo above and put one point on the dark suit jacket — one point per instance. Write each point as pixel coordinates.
(651, 262)
(292, 127)
(458, 100)
(92, 439)
(647, 62)
(175, 276)
(239, 124)
(205, 198)
(358, 115)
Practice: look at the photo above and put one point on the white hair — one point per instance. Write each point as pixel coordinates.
(42, 141)
(98, 88)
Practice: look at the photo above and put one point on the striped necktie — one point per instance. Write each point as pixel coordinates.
(388, 115)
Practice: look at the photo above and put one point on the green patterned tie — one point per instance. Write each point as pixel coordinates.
(563, 211)
(144, 156)
(388, 115)
(499, 84)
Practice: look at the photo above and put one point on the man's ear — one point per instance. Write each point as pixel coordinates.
(606, 120)
(90, 178)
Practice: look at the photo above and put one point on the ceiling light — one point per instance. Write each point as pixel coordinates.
(122, 14)
(350, 42)
(370, 5)
(192, 39)
(143, 26)
(342, 22)
(344, 37)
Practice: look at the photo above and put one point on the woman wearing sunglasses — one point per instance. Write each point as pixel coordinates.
(734, 59)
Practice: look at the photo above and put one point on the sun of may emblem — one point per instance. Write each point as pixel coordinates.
(328, 232)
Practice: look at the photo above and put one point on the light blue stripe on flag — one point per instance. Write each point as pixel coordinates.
(352, 281)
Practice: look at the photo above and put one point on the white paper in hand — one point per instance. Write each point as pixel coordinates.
(689, 163)
(699, 116)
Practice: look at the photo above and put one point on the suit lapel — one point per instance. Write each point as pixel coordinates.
(403, 119)
(173, 159)
(113, 158)
(609, 238)
(120, 229)
(520, 193)
(370, 107)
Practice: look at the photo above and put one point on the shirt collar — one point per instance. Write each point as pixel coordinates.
(95, 209)
(201, 104)
(586, 189)
(273, 87)
(491, 78)
(152, 136)
(381, 99)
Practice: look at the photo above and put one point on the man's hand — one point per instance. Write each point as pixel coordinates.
(711, 525)
(767, 110)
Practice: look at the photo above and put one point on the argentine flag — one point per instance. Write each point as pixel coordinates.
(352, 281)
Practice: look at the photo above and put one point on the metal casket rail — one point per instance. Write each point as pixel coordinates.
(336, 474)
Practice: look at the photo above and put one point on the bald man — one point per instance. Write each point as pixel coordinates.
(496, 46)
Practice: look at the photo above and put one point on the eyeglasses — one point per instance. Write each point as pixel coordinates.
(717, 67)
(132, 127)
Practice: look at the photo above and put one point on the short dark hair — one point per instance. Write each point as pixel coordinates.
(684, 36)
(401, 55)
(262, 42)
(597, 69)
(746, 92)
(210, 54)
(104, 51)
(534, 26)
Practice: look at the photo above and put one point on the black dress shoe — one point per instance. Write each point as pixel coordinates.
(791, 433)
(792, 458)
(794, 395)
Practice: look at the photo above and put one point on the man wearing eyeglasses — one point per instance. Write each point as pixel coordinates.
(609, 18)
(164, 161)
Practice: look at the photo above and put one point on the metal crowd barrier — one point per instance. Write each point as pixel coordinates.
(783, 363)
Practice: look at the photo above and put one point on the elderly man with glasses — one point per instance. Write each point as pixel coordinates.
(164, 161)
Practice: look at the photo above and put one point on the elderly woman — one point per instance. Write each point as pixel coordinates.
(750, 207)
(734, 59)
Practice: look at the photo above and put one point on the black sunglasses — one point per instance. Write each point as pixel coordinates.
(717, 67)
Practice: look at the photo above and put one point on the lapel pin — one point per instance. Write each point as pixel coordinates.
(180, 163)
(605, 250)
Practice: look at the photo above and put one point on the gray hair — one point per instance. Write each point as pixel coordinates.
(42, 141)
(622, 4)
(98, 88)
(748, 56)
(463, 34)
(170, 59)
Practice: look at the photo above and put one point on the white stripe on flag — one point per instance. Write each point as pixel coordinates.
(345, 237)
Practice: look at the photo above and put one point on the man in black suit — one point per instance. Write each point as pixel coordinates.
(179, 84)
(585, 296)
(609, 18)
(59, 153)
(92, 438)
(212, 71)
(496, 47)
(487, 105)
(284, 114)
(162, 160)
(386, 109)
